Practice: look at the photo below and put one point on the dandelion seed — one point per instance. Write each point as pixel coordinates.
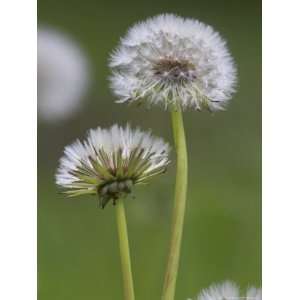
(63, 75)
(170, 60)
(110, 162)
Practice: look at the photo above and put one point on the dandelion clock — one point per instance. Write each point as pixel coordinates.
(173, 61)
(177, 63)
(63, 76)
(228, 290)
(109, 163)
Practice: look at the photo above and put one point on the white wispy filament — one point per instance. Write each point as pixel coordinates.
(171, 60)
(63, 75)
(109, 162)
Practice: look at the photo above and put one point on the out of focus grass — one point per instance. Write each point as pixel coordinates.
(77, 243)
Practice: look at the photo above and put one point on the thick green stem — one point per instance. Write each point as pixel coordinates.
(124, 251)
(179, 206)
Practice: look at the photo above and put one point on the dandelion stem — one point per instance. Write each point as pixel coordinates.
(124, 251)
(179, 206)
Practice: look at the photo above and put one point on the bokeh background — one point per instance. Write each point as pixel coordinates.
(78, 255)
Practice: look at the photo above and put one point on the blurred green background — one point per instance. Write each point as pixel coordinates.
(78, 254)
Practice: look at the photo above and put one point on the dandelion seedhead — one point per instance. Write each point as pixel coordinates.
(228, 291)
(63, 75)
(173, 61)
(110, 162)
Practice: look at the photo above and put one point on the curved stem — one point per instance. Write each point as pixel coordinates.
(179, 206)
(124, 251)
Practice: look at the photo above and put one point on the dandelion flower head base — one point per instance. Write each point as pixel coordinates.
(110, 162)
(114, 190)
(174, 71)
(170, 60)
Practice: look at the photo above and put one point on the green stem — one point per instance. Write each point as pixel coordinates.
(179, 206)
(124, 251)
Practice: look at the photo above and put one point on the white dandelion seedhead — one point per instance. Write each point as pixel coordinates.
(170, 60)
(110, 162)
(224, 291)
(228, 291)
(63, 75)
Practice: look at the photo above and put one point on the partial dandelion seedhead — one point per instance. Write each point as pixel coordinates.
(173, 61)
(228, 291)
(62, 73)
(109, 162)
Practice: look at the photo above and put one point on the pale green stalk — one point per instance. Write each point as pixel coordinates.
(179, 206)
(124, 251)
